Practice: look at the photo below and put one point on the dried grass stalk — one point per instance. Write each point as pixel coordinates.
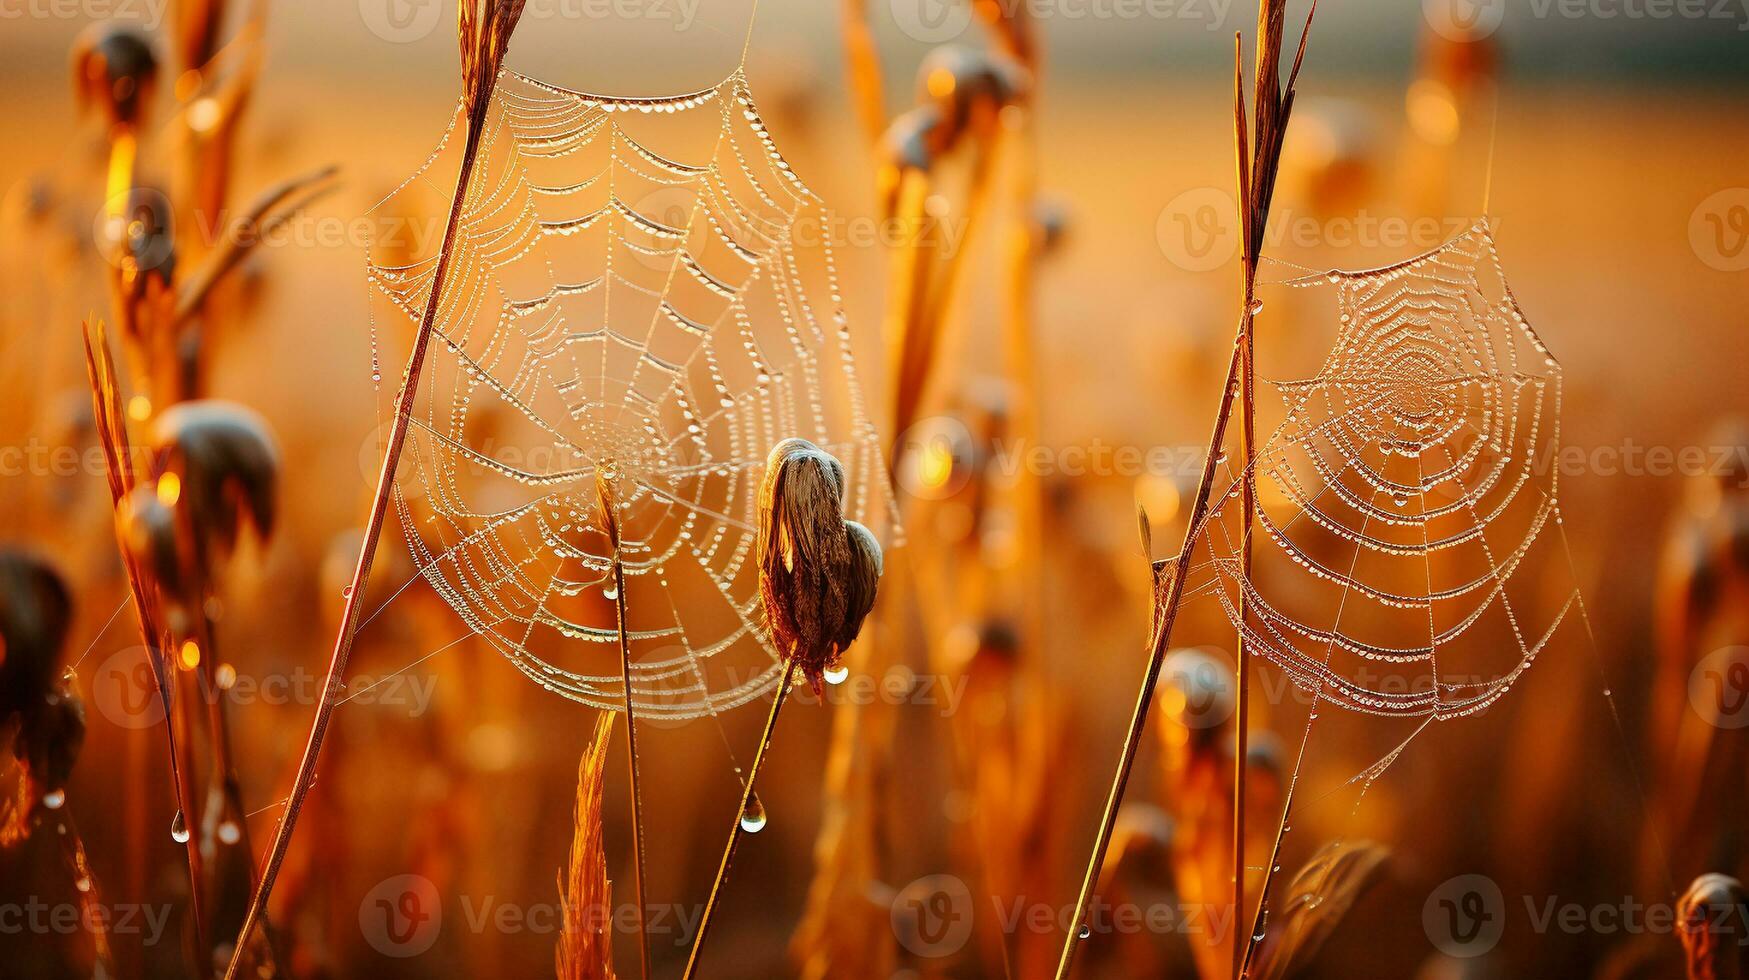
(585, 950)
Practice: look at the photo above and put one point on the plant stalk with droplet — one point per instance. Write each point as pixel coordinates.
(483, 28)
(1258, 164)
(817, 579)
(748, 800)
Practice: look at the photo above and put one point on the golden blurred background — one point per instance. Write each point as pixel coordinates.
(1608, 150)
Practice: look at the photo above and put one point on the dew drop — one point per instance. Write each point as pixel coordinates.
(836, 674)
(229, 832)
(54, 798)
(753, 815)
(1084, 932)
(609, 592)
(1256, 307)
(179, 829)
(346, 592)
(83, 883)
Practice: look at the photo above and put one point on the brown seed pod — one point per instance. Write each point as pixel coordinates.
(863, 579)
(225, 467)
(816, 576)
(1709, 918)
(115, 69)
(35, 610)
(969, 86)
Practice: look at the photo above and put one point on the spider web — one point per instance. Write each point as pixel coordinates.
(639, 286)
(1402, 498)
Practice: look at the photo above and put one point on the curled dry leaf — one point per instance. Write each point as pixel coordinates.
(1316, 902)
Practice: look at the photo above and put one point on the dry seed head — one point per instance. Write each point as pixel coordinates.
(817, 575)
(114, 68)
(226, 467)
(1709, 920)
(35, 610)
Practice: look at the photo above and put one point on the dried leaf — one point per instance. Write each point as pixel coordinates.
(1316, 902)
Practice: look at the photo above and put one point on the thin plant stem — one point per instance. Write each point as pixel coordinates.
(1156, 659)
(350, 613)
(604, 487)
(716, 893)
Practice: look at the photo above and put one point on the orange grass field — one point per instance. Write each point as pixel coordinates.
(931, 813)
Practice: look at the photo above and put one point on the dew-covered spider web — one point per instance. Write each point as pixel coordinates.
(1401, 498)
(640, 287)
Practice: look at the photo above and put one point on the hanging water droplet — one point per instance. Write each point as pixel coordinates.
(609, 592)
(1084, 931)
(346, 592)
(753, 815)
(229, 832)
(179, 829)
(836, 674)
(54, 798)
(83, 883)
(1256, 307)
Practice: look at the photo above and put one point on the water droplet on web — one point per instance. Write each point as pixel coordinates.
(1084, 932)
(346, 592)
(609, 592)
(179, 829)
(54, 798)
(753, 815)
(836, 674)
(1256, 307)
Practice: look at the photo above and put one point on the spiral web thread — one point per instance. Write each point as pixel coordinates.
(640, 288)
(1404, 502)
